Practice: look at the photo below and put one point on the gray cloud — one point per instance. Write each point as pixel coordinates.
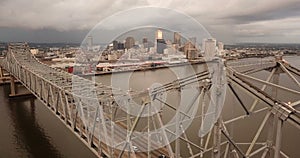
(41, 35)
(280, 30)
(270, 12)
(229, 21)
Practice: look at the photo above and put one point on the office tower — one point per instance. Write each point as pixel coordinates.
(177, 38)
(160, 42)
(159, 34)
(145, 40)
(90, 42)
(121, 46)
(160, 46)
(115, 45)
(129, 42)
(145, 43)
(220, 46)
(190, 50)
(209, 47)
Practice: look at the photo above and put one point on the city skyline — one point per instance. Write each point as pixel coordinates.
(150, 78)
(266, 21)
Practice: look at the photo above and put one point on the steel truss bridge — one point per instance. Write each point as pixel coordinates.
(92, 112)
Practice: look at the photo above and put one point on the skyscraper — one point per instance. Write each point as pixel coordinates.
(145, 43)
(129, 42)
(160, 42)
(209, 47)
(115, 45)
(160, 46)
(190, 51)
(145, 40)
(220, 46)
(177, 38)
(159, 34)
(90, 42)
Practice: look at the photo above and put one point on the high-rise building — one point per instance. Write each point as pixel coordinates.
(220, 46)
(115, 45)
(129, 42)
(145, 40)
(159, 34)
(121, 46)
(209, 47)
(177, 38)
(160, 46)
(145, 43)
(190, 50)
(160, 42)
(90, 42)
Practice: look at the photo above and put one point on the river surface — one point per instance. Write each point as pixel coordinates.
(28, 129)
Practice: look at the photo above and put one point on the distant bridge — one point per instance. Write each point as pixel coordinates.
(93, 112)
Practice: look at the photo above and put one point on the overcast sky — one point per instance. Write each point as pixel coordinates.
(231, 21)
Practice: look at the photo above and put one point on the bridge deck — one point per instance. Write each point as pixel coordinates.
(86, 107)
(94, 113)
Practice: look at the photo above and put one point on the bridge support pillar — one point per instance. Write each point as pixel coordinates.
(1, 72)
(1, 75)
(14, 90)
(4, 77)
(12, 87)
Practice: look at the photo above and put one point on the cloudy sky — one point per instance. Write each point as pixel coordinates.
(231, 21)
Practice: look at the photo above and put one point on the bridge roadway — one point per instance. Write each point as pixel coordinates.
(93, 111)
